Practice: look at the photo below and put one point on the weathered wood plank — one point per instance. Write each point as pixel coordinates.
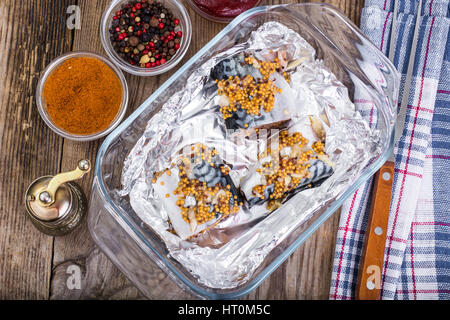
(100, 278)
(305, 275)
(31, 34)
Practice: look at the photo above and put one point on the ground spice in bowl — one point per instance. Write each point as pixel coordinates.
(83, 95)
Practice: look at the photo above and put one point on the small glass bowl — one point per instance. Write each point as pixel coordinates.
(42, 105)
(214, 18)
(177, 9)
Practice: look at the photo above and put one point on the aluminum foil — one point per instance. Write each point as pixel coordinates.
(227, 255)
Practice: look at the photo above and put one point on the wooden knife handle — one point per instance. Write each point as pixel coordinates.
(369, 280)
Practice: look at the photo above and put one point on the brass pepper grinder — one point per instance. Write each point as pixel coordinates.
(56, 205)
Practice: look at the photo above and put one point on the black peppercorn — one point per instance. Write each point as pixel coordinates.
(154, 22)
(133, 41)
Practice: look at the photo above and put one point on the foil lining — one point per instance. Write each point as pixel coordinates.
(228, 255)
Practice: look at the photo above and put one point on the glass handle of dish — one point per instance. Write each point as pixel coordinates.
(371, 267)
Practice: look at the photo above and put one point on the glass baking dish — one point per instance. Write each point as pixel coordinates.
(137, 250)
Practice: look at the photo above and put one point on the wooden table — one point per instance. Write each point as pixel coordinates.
(33, 265)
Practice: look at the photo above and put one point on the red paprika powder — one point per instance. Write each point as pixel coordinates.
(83, 95)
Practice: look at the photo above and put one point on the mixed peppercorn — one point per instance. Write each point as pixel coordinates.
(145, 33)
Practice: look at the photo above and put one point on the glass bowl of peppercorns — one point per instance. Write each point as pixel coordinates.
(146, 37)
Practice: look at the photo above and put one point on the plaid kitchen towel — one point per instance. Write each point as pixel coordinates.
(417, 252)
(430, 7)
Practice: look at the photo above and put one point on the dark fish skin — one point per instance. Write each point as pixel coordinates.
(204, 172)
(234, 66)
(258, 201)
(319, 173)
(240, 118)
